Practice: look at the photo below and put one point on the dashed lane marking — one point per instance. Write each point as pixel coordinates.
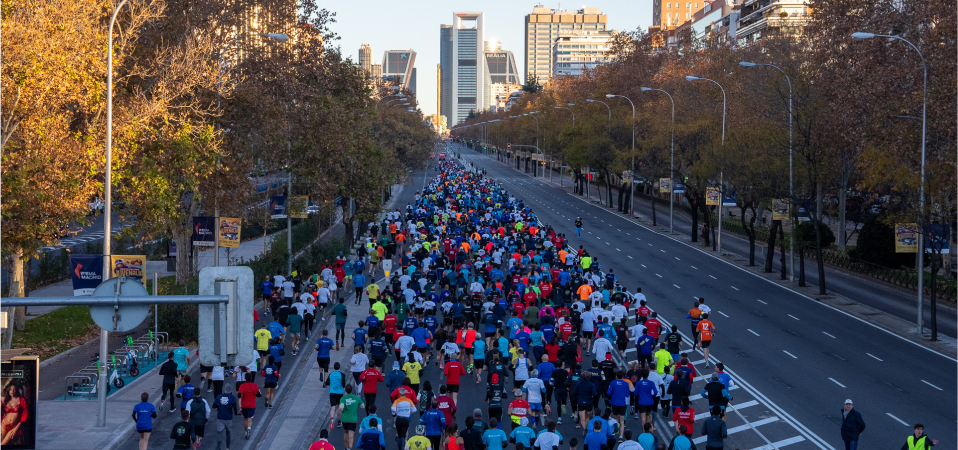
(796, 318)
(762, 302)
(789, 354)
(720, 312)
(873, 356)
(750, 331)
(826, 334)
(932, 385)
(898, 420)
(836, 382)
(733, 287)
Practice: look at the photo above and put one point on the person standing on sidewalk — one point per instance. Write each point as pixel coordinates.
(852, 425)
(143, 414)
(168, 370)
(715, 430)
(226, 407)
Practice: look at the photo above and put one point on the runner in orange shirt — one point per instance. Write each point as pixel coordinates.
(584, 292)
(707, 330)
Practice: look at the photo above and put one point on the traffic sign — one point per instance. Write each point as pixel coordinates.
(387, 266)
(119, 317)
(225, 328)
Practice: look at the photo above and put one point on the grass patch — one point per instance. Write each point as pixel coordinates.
(57, 331)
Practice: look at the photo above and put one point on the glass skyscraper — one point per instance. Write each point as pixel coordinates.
(445, 72)
(467, 67)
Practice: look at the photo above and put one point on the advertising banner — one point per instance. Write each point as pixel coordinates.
(203, 231)
(130, 266)
(712, 196)
(906, 238)
(277, 207)
(937, 239)
(728, 199)
(665, 185)
(679, 188)
(20, 380)
(780, 209)
(87, 273)
(229, 230)
(297, 206)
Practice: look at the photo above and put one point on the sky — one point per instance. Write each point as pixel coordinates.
(414, 24)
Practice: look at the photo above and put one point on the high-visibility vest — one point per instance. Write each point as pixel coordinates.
(919, 445)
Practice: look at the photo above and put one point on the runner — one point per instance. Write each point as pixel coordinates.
(226, 406)
(707, 331)
(248, 392)
(143, 414)
(340, 312)
(349, 415)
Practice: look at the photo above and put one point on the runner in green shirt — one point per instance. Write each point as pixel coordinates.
(295, 322)
(340, 312)
(349, 415)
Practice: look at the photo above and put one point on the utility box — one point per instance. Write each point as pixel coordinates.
(226, 329)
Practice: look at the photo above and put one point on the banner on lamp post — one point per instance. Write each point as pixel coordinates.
(906, 238)
(229, 231)
(780, 209)
(277, 207)
(130, 266)
(712, 196)
(298, 205)
(86, 272)
(203, 229)
(665, 185)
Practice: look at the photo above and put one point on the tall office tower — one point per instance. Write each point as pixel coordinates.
(366, 58)
(445, 67)
(468, 70)
(438, 91)
(412, 82)
(544, 25)
(398, 65)
(501, 77)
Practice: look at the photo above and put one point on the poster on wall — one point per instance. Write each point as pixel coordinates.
(130, 266)
(712, 196)
(203, 231)
(298, 206)
(277, 207)
(19, 378)
(906, 238)
(780, 209)
(86, 272)
(229, 230)
(665, 185)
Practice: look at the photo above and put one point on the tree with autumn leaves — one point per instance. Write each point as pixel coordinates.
(853, 118)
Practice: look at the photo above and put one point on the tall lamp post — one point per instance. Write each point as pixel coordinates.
(671, 156)
(721, 195)
(791, 185)
(219, 89)
(632, 182)
(533, 115)
(921, 192)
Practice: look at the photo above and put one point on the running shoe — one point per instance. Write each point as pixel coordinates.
(331, 423)
(559, 420)
(209, 390)
(469, 368)
(247, 433)
(706, 364)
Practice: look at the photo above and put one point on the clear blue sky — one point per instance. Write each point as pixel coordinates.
(415, 24)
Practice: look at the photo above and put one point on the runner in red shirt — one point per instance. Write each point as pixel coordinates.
(566, 329)
(684, 415)
(369, 379)
(546, 290)
(530, 298)
(248, 392)
(390, 322)
(404, 391)
(519, 308)
(562, 312)
(553, 350)
(654, 326)
(447, 405)
(518, 409)
(642, 313)
(452, 371)
(706, 329)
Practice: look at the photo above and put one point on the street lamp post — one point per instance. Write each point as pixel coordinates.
(533, 115)
(671, 157)
(589, 100)
(632, 182)
(791, 185)
(721, 195)
(921, 189)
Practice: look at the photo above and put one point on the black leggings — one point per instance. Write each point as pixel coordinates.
(172, 389)
(308, 324)
(560, 396)
(370, 400)
(340, 334)
(402, 426)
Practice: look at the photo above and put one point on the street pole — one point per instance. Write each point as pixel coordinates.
(289, 199)
(921, 189)
(671, 158)
(107, 220)
(632, 181)
(721, 195)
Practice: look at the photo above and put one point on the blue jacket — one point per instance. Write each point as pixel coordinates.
(372, 439)
(434, 420)
(647, 391)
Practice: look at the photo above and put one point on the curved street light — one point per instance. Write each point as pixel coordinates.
(671, 155)
(718, 240)
(632, 184)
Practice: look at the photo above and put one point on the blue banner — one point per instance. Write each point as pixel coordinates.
(87, 273)
(203, 229)
(277, 207)
(937, 239)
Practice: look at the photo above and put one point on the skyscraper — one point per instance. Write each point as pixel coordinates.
(467, 70)
(445, 67)
(366, 58)
(438, 91)
(501, 77)
(544, 25)
(399, 65)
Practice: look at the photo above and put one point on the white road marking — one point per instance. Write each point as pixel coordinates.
(663, 251)
(750, 331)
(762, 302)
(782, 443)
(617, 249)
(932, 385)
(660, 276)
(696, 268)
(720, 312)
(702, 439)
(897, 419)
(826, 334)
(836, 382)
(789, 354)
(873, 356)
(643, 266)
(796, 318)
(733, 287)
(631, 257)
(677, 258)
(649, 244)
(619, 229)
(712, 277)
(699, 397)
(676, 286)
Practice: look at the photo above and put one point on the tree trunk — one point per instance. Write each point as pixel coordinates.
(695, 217)
(18, 283)
(608, 188)
(819, 258)
(621, 196)
(708, 214)
(771, 245)
(182, 234)
(801, 268)
(654, 220)
(749, 232)
(843, 187)
(781, 235)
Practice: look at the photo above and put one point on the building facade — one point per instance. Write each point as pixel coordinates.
(399, 66)
(366, 58)
(445, 71)
(467, 68)
(501, 77)
(575, 52)
(544, 25)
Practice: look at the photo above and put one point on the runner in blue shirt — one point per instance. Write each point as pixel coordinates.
(185, 391)
(359, 334)
(323, 345)
(620, 391)
(646, 392)
(144, 413)
(494, 438)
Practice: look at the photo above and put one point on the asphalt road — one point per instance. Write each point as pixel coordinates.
(801, 357)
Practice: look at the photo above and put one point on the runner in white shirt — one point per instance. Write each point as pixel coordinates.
(596, 299)
(602, 346)
(323, 294)
(705, 309)
(288, 289)
(404, 282)
(618, 312)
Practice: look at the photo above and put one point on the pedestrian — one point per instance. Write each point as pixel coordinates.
(186, 392)
(323, 442)
(494, 438)
(323, 346)
(706, 330)
(646, 440)
(143, 414)
(372, 438)
(370, 379)
(199, 411)
(182, 434)
(917, 441)
(170, 376)
(578, 227)
(226, 407)
(270, 380)
(715, 430)
(435, 422)
(596, 439)
(295, 321)
(337, 389)
(852, 425)
(682, 440)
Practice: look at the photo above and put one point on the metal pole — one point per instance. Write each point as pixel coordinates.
(107, 219)
(156, 306)
(672, 165)
(289, 213)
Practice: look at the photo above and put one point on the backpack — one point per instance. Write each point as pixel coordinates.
(425, 400)
(198, 411)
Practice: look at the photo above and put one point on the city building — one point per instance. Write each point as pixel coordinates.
(377, 72)
(500, 93)
(445, 68)
(544, 25)
(467, 68)
(398, 66)
(759, 17)
(575, 52)
(366, 58)
(514, 99)
(501, 75)
(412, 82)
